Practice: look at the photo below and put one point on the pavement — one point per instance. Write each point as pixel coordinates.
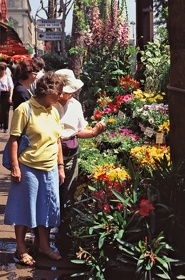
(45, 269)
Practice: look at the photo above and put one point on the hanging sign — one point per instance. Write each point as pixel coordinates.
(3, 9)
(49, 23)
(49, 36)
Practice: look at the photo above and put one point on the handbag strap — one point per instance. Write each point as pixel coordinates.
(29, 113)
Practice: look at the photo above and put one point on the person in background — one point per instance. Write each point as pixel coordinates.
(6, 91)
(40, 62)
(8, 70)
(33, 199)
(26, 74)
(13, 65)
(74, 126)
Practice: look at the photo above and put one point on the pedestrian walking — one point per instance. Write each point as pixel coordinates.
(6, 91)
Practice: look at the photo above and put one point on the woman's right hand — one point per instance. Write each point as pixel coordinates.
(16, 174)
(99, 128)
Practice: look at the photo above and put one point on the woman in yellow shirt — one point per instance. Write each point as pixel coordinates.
(33, 199)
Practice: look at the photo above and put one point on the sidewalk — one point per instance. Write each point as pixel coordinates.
(46, 269)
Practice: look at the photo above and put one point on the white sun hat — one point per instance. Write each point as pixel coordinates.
(71, 84)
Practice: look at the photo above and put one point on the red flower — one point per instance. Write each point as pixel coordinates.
(145, 207)
(98, 114)
(106, 208)
(99, 195)
(119, 206)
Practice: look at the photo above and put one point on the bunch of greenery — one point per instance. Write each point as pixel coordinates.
(54, 61)
(116, 222)
(107, 52)
(155, 58)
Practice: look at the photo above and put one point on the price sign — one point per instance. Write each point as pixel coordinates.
(121, 115)
(159, 138)
(149, 132)
(142, 127)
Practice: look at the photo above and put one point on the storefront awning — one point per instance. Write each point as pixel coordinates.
(12, 44)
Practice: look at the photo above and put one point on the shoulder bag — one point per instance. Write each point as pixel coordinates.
(23, 143)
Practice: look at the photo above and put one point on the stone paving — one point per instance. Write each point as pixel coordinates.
(46, 269)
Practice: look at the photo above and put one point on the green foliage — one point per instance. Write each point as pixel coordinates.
(107, 50)
(155, 58)
(172, 194)
(30, 51)
(122, 234)
(90, 156)
(77, 50)
(101, 73)
(161, 12)
(150, 257)
(11, 24)
(165, 77)
(54, 61)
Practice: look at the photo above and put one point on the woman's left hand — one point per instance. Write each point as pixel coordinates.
(10, 101)
(61, 174)
(16, 174)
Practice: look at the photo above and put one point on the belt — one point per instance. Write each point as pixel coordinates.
(69, 138)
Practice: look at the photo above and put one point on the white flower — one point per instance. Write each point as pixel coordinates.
(151, 120)
(145, 113)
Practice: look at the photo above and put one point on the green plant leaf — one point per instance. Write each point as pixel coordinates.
(164, 263)
(78, 261)
(101, 242)
(121, 198)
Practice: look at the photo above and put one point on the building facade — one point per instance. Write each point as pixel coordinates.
(21, 19)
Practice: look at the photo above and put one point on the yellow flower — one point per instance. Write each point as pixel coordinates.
(111, 172)
(111, 120)
(146, 155)
(165, 127)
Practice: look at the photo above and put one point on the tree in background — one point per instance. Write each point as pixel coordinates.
(161, 19)
(55, 9)
(77, 38)
(161, 12)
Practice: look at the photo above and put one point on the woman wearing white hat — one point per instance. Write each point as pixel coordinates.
(73, 127)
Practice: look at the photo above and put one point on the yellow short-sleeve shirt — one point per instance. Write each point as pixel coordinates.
(43, 131)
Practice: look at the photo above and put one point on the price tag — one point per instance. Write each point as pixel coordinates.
(142, 127)
(98, 138)
(121, 115)
(159, 138)
(149, 132)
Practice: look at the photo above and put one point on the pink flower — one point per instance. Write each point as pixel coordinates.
(107, 110)
(128, 97)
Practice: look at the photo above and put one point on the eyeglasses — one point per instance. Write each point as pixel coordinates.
(69, 93)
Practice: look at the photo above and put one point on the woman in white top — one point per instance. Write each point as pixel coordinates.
(73, 127)
(6, 91)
